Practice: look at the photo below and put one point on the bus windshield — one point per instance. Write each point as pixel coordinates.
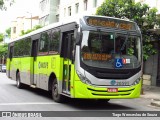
(110, 50)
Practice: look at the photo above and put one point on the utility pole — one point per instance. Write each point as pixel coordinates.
(31, 19)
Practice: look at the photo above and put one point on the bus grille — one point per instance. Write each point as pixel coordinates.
(120, 92)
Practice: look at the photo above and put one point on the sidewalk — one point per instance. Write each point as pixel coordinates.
(153, 93)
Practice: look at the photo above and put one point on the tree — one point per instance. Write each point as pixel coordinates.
(37, 27)
(3, 50)
(30, 30)
(1, 37)
(8, 31)
(3, 4)
(145, 17)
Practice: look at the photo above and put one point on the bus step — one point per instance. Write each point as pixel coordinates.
(68, 95)
(33, 86)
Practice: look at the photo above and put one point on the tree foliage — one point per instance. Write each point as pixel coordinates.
(3, 50)
(1, 37)
(8, 31)
(145, 17)
(30, 30)
(3, 4)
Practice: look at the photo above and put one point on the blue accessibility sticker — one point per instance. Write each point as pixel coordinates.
(118, 63)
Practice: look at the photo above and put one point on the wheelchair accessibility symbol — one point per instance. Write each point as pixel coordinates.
(118, 63)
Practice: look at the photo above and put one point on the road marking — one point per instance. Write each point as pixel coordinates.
(117, 102)
(31, 103)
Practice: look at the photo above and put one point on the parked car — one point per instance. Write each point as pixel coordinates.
(2, 68)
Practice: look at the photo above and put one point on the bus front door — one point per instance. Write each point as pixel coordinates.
(68, 67)
(9, 61)
(34, 76)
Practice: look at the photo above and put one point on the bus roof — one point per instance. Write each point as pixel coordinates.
(66, 21)
(54, 25)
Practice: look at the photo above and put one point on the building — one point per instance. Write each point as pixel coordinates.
(52, 11)
(73, 8)
(23, 23)
(24, 15)
(49, 11)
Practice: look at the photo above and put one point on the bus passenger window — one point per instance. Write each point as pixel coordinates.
(10, 54)
(27, 47)
(54, 42)
(17, 49)
(43, 48)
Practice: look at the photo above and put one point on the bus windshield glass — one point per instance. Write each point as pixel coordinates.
(110, 50)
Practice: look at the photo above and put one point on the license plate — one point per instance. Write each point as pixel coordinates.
(112, 89)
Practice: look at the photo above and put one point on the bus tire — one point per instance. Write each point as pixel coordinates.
(55, 95)
(104, 100)
(18, 81)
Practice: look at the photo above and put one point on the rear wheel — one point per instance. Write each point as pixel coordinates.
(18, 81)
(55, 95)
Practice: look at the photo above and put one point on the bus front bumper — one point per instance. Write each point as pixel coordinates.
(90, 92)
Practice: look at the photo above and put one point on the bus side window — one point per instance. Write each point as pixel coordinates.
(65, 42)
(11, 52)
(16, 49)
(68, 43)
(27, 47)
(44, 42)
(54, 41)
(72, 47)
(34, 48)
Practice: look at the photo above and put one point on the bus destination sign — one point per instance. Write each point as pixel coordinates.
(108, 22)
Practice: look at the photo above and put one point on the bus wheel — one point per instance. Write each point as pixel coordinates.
(18, 81)
(103, 100)
(55, 95)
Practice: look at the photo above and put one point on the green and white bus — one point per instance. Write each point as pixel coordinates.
(95, 57)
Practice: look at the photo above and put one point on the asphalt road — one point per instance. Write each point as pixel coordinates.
(29, 99)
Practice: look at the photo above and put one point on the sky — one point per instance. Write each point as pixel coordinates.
(20, 8)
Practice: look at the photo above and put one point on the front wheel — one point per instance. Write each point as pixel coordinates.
(103, 100)
(55, 95)
(18, 81)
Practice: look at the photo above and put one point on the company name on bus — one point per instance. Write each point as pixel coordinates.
(107, 23)
(43, 65)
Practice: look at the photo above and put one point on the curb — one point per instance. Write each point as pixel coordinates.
(155, 102)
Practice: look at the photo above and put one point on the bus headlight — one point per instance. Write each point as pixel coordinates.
(83, 78)
(136, 81)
